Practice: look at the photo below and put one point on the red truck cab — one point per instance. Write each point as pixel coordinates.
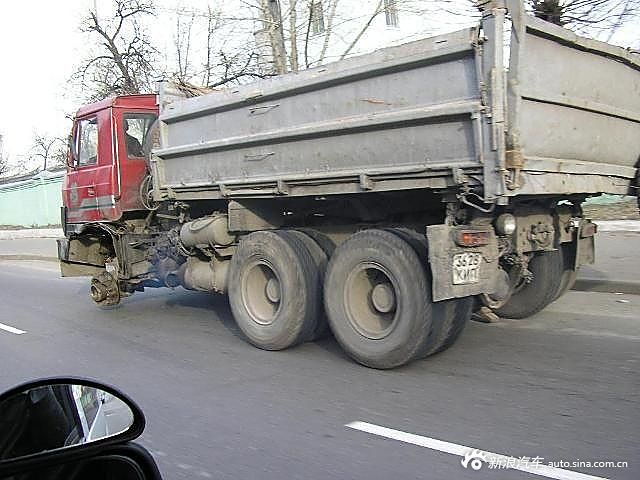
(107, 160)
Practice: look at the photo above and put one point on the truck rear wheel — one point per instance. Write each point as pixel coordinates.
(449, 316)
(529, 298)
(457, 314)
(377, 299)
(569, 276)
(274, 296)
(567, 282)
(320, 248)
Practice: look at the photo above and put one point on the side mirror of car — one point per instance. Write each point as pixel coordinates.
(60, 420)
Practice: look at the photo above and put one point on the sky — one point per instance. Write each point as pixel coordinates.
(40, 46)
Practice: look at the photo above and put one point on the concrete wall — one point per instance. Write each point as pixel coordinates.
(33, 202)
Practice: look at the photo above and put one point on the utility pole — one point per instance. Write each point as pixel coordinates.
(273, 20)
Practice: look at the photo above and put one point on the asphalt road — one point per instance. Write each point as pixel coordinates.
(562, 385)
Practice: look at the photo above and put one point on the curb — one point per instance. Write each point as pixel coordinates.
(29, 257)
(606, 285)
(623, 226)
(31, 233)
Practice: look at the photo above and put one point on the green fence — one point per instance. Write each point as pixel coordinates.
(32, 202)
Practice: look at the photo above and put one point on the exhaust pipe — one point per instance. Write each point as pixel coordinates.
(200, 275)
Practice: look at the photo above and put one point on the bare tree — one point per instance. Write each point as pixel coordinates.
(378, 9)
(293, 34)
(313, 28)
(273, 24)
(296, 34)
(51, 151)
(4, 164)
(227, 59)
(123, 61)
(333, 7)
(585, 15)
(213, 24)
(4, 167)
(182, 42)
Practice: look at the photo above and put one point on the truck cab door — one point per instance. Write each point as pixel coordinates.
(89, 191)
(133, 129)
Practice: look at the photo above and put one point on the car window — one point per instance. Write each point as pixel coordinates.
(136, 128)
(87, 142)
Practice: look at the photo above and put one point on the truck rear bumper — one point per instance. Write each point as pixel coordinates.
(67, 252)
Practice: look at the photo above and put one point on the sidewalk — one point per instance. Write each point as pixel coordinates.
(29, 249)
(31, 233)
(618, 225)
(30, 244)
(617, 267)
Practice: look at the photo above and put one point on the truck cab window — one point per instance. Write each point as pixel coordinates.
(136, 128)
(87, 143)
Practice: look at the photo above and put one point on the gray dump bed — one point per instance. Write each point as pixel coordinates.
(435, 113)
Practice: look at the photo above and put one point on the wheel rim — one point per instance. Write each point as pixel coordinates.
(261, 292)
(105, 290)
(370, 297)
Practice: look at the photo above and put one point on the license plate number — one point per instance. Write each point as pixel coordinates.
(466, 268)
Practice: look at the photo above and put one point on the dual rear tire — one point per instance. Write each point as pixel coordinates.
(377, 294)
(277, 279)
(549, 280)
(274, 295)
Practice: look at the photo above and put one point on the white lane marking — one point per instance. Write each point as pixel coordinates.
(461, 450)
(11, 329)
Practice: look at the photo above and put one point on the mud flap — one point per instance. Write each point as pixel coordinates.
(585, 247)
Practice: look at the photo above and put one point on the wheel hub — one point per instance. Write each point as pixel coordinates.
(98, 292)
(383, 298)
(105, 290)
(272, 290)
(370, 300)
(261, 292)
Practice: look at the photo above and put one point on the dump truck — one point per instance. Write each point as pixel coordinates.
(382, 198)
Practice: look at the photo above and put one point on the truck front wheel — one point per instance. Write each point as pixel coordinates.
(275, 297)
(376, 298)
(529, 297)
(105, 290)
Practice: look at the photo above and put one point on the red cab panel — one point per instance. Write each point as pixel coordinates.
(108, 163)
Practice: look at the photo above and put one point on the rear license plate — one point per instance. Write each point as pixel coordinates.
(466, 268)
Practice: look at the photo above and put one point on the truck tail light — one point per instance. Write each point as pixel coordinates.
(472, 238)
